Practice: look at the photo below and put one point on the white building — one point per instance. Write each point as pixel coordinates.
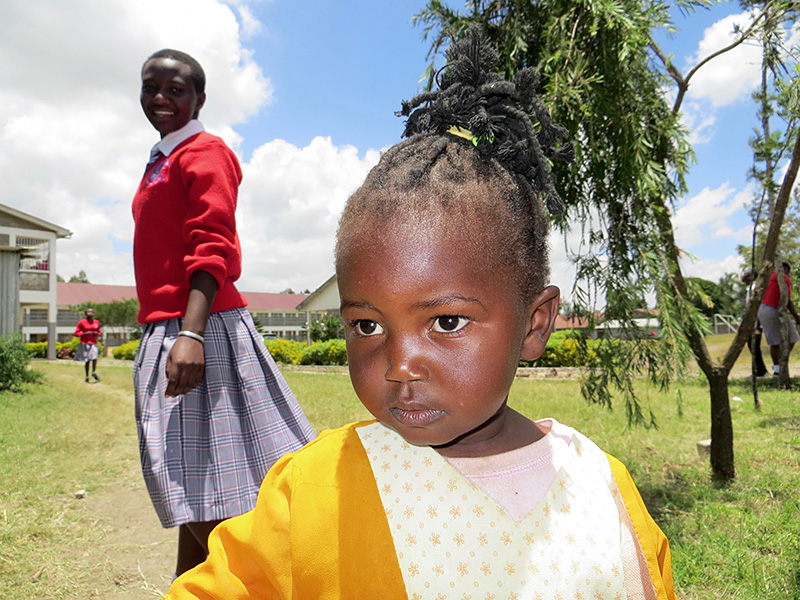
(29, 243)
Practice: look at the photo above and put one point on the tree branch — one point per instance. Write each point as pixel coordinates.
(776, 222)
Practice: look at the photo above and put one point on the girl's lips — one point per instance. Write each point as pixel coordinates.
(415, 417)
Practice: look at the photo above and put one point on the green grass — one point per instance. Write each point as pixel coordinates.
(741, 541)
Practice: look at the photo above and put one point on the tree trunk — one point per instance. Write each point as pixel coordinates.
(722, 463)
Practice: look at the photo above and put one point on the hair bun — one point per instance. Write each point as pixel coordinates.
(498, 114)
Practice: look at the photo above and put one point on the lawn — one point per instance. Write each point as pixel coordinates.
(742, 541)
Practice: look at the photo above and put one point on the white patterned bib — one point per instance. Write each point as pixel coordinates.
(454, 542)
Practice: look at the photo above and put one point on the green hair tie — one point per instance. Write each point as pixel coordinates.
(467, 135)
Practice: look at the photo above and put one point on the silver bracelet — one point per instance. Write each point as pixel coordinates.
(193, 335)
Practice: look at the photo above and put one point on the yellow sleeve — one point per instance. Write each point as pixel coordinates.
(240, 564)
(652, 540)
(318, 531)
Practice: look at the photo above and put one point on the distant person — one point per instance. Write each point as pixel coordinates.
(770, 321)
(441, 261)
(213, 412)
(88, 329)
(754, 341)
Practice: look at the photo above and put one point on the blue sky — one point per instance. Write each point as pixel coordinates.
(305, 93)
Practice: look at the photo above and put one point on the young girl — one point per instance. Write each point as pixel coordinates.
(441, 263)
(88, 329)
(212, 410)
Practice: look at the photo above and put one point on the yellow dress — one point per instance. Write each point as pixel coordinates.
(320, 531)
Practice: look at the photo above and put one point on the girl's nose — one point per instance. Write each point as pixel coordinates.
(405, 360)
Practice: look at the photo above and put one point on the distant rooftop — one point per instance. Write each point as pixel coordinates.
(71, 294)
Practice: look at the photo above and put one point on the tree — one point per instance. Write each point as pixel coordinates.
(602, 77)
(710, 298)
(777, 101)
(81, 277)
(329, 327)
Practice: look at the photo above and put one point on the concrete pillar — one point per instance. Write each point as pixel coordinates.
(51, 340)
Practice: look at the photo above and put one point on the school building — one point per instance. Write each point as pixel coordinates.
(28, 292)
(275, 315)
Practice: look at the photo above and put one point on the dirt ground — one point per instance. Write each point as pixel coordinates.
(131, 556)
(135, 557)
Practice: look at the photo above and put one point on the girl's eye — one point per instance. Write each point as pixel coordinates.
(367, 328)
(449, 323)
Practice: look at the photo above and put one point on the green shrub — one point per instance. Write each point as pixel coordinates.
(37, 349)
(66, 350)
(288, 352)
(126, 351)
(332, 352)
(14, 359)
(565, 349)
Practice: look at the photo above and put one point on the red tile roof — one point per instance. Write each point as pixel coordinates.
(268, 301)
(571, 323)
(71, 294)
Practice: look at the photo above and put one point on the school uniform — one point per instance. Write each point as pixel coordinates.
(204, 453)
(769, 315)
(361, 513)
(89, 332)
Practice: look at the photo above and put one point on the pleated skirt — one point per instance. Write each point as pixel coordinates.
(205, 453)
(86, 352)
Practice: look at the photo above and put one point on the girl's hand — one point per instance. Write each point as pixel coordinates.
(185, 366)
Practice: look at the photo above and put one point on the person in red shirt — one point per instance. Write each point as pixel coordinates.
(213, 412)
(768, 316)
(88, 329)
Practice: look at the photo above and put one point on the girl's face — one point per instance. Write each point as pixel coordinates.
(168, 97)
(434, 332)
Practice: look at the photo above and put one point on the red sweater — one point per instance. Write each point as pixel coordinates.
(184, 222)
(773, 294)
(85, 331)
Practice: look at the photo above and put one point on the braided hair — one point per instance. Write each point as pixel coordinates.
(472, 152)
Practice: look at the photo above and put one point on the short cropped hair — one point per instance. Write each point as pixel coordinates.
(196, 73)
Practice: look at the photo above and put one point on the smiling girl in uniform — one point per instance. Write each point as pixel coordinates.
(441, 260)
(213, 411)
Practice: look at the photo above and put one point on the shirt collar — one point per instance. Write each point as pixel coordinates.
(172, 140)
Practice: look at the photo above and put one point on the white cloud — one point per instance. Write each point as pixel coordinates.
(73, 137)
(712, 270)
(289, 207)
(706, 215)
(730, 76)
(699, 122)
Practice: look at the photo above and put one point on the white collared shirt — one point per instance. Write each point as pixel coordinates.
(172, 140)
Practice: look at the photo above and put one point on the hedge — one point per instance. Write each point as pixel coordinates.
(331, 352)
(288, 352)
(126, 351)
(65, 350)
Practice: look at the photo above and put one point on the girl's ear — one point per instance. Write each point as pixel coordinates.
(543, 311)
(201, 100)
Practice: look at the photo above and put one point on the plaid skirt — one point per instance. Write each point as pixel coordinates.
(205, 453)
(86, 352)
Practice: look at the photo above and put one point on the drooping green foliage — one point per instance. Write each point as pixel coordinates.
(595, 68)
(603, 77)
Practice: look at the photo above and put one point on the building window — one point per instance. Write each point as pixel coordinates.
(37, 258)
